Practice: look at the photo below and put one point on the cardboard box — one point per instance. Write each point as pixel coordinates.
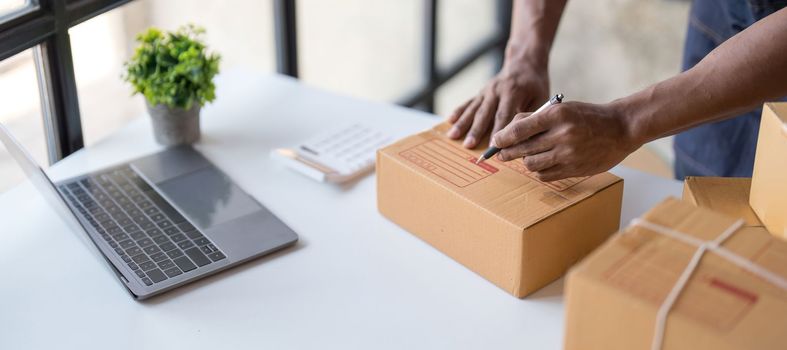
(726, 195)
(769, 181)
(494, 218)
(612, 296)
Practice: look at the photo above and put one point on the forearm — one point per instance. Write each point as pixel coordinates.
(739, 75)
(533, 27)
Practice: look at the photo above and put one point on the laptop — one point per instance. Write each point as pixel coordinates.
(163, 220)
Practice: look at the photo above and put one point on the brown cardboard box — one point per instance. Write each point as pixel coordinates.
(769, 181)
(726, 195)
(495, 219)
(612, 296)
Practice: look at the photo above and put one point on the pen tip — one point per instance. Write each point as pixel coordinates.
(479, 160)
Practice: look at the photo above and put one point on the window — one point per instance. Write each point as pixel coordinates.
(100, 45)
(18, 83)
(8, 8)
(242, 34)
(461, 25)
(369, 49)
(464, 85)
(61, 60)
(457, 35)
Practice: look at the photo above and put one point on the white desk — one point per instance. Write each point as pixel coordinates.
(354, 281)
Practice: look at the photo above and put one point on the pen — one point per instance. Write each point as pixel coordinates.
(491, 151)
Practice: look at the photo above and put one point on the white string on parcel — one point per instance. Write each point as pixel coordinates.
(702, 247)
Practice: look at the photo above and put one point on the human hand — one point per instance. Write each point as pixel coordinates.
(517, 88)
(568, 140)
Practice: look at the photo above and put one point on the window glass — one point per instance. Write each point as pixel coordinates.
(461, 26)
(20, 112)
(8, 7)
(464, 85)
(365, 48)
(241, 33)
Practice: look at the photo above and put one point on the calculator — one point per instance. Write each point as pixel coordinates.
(337, 155)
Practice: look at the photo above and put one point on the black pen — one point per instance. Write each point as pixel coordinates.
(491, 151)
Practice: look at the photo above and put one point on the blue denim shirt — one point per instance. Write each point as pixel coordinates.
(724, 148)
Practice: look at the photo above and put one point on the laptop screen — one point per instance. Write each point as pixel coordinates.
(44, 185)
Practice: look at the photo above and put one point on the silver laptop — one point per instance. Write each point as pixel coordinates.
(163, 220)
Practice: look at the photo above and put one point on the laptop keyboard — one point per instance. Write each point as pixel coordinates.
(145, 231)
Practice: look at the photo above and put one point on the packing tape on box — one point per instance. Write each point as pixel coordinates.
(702, 247)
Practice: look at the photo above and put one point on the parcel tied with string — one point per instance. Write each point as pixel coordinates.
(735, 297)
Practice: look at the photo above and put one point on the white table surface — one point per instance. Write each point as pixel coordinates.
(354, 280)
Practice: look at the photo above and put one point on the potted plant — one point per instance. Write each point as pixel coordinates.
(174, 71)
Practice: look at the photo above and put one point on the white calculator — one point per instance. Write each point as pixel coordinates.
(337, 155)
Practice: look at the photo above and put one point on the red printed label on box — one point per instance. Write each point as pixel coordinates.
(651, 271)
(448, 162)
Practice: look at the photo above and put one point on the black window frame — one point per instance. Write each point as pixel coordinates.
(44, 27)
(433, 76)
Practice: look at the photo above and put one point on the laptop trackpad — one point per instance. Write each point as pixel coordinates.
(208, 197)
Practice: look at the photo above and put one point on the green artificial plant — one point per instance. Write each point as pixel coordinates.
(173, 68)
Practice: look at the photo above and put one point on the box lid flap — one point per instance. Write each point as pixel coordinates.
(727, 195)
(504, 189)
(779, 109)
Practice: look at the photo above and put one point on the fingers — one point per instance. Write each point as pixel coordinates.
(520, 116)
(540, 161)
(538, 144)
(554, 173)
(504, 115)
(533, 104)
(481, 121)
(521, 129)
(458, 111)
(465, 120)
